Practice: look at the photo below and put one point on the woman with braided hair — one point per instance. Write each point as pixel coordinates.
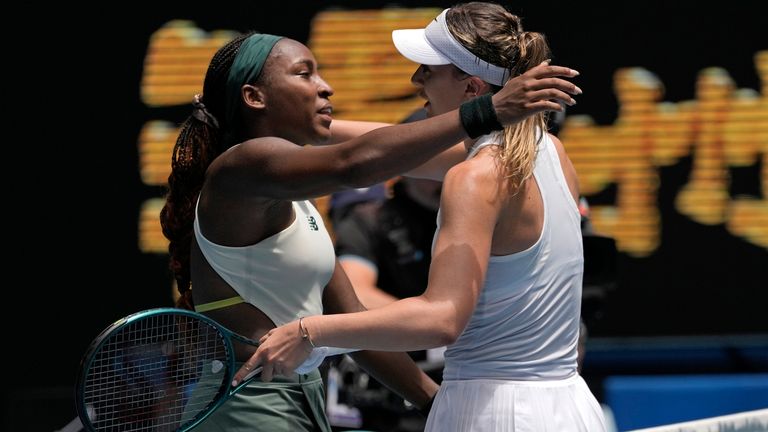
(504, 289)
(247, 246)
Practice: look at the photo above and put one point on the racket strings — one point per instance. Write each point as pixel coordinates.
(157, 373)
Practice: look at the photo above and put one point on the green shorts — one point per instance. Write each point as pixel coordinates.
(286, 404)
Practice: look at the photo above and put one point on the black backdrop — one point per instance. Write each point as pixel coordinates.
(74, 195)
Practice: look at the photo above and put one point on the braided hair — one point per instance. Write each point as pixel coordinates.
(204, 135)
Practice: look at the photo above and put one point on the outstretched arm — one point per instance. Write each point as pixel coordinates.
(437, 317)
(396, 370)
(344, 130)
(433, 169)
(276, 168)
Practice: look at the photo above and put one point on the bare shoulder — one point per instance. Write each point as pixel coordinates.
(248, 168)
(261, 146)
(254, 153)
(470, 200)
(473, 180)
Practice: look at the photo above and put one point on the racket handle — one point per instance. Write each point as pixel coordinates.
(318, 355)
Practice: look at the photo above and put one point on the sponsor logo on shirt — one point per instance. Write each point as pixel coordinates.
(312, 223)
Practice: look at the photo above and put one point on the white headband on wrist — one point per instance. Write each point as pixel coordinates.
(434, 45)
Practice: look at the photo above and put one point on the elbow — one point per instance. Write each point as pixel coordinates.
(446, 337)
(448, 331)
(443, 321)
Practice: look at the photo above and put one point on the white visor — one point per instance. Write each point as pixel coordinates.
(435, 45)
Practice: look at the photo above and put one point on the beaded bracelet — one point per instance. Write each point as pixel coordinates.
(304, 333)
(478, 116)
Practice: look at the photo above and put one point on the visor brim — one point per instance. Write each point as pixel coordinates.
(413, 45)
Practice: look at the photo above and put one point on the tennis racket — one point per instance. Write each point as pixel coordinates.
(163, 369)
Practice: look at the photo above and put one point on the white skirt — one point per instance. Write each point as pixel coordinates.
(515, 406)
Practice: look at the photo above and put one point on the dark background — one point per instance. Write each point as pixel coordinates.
(73, 189)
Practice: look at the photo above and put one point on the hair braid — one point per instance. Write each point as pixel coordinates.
(197, 145)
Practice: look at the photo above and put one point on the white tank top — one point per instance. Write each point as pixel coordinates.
(283, 275)
(526, 322)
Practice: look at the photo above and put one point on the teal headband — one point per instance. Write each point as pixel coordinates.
(246, 67)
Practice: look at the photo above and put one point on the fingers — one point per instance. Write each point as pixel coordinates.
(554, 84)
(544, 105)
(246, 371)
(281, 350)
(545, 70)
(270, 370)
(554, 95)
(542, 88)
(546, 76)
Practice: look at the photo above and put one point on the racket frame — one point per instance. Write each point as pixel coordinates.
(225, 392)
